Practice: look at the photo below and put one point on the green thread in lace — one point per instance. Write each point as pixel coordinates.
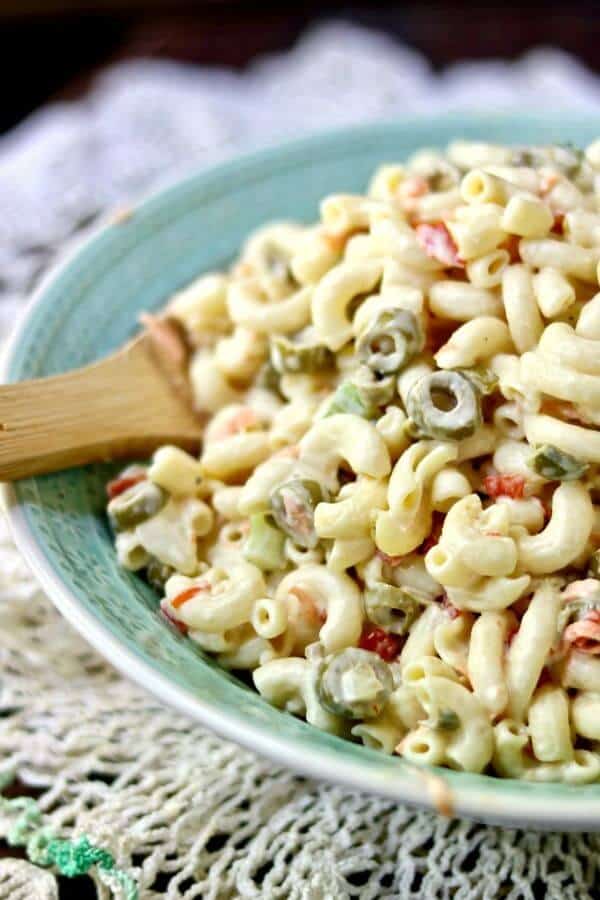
(70, 858)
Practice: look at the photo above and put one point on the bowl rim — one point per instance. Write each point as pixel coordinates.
(489, 800)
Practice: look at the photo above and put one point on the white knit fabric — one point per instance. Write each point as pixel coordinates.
(187, 814)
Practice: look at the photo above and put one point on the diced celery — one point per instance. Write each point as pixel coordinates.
(348, 399)
(264, 544)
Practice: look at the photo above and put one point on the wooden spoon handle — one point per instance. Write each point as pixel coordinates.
(122, 406)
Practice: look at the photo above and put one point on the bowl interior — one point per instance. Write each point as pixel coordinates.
(89, 307)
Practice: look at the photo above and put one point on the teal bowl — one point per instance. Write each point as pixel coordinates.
(87, 308)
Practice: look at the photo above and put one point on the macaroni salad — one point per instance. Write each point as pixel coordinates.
(394, 522)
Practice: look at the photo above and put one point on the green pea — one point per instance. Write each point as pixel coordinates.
(391, 607)
(374, 391)
(555, 465)
(264, 544)
(287, 356)
(135, 505)
(158, 573)
(444, 406)
(293, 507)
(354, 683)
(391, 341)
(348, 398)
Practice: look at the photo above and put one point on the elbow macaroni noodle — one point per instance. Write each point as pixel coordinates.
(394, 520)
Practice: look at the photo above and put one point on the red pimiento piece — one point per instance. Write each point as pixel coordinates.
(375, 639)
(504, 486)
(438, 243)
(186, 595)
(119, 485)
(179, 625)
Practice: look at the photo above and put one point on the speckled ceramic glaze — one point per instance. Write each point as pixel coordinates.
(87, 308)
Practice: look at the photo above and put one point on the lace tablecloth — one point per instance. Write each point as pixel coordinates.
(146, 803)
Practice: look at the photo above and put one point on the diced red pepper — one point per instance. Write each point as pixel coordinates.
(119, 485)
(504, 486)
(438, 243)
(186, 595)
(375, 639)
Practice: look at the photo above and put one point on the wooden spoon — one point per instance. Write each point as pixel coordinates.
(123, 406)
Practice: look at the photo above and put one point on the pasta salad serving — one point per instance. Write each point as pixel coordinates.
(394, 522)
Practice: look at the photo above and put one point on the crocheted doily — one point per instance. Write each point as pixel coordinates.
(144, 802)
